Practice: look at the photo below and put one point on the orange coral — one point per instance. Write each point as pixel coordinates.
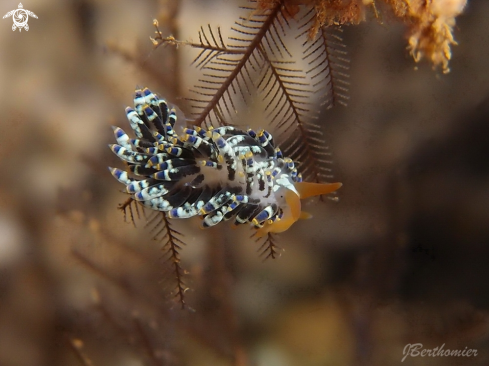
(430, 22)
(431, 34)
(328, 12)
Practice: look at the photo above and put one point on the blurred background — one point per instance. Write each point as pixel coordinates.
(401, 258)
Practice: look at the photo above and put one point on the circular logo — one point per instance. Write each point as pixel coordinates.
(20, 18)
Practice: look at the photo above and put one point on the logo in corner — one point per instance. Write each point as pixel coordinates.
(20, 17)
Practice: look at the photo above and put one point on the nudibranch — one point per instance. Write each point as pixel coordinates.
(218, 173)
